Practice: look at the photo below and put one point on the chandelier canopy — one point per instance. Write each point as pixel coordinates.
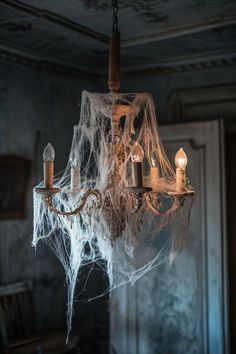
(118, 202)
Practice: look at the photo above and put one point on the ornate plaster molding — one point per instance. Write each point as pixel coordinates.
(226, 58)
(20, 57)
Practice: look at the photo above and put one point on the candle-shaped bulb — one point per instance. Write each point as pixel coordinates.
(49, 153)
(137, 153)
(74, 162)
(154, 172)
(48, 166)
(154, 160)
(181, 159)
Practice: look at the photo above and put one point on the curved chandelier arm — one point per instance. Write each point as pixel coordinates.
(83, 201)
(177, 203)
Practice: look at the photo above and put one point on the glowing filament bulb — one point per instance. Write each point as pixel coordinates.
(137, 153)
(154, 172)
(154, 160)
(49, 153)
(181, 159)
(180, 162)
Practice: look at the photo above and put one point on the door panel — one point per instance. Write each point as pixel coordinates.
(182, 309)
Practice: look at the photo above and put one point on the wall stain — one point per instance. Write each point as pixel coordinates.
(147, 9)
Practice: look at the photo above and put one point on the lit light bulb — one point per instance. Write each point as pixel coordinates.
(49, 153)
(181, 159)
(154, 172)
(154, 160)
(137, 153)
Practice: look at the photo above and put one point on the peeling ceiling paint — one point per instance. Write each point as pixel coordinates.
(37, 35)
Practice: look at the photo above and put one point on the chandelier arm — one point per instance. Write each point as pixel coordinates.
(174, 207)
(88, 193)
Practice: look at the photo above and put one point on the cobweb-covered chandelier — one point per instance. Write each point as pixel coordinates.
(118, 202)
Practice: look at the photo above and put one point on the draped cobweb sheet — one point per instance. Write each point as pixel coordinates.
(143, 240)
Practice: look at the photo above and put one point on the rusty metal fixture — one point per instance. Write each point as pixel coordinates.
(114, 217)
(177, 202)
(137, 189)
(48, 197)
(185, 193)
(47, 192)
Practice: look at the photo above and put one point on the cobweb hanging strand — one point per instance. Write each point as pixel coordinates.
(129, 244)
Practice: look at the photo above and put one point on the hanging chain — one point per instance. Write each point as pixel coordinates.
(115, 26)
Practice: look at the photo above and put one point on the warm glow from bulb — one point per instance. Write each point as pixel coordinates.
(154, 160)
(137, 153)
(49, 153)
(181, 159)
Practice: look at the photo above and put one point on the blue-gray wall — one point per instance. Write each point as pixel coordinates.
(35, 100)
(217, 80)
(30, 101)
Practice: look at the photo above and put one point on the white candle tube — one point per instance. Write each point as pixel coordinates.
(180, 179)
(75, 178)
(154, 178)
(48, 172)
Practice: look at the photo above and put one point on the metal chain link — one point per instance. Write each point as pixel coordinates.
(115, 26)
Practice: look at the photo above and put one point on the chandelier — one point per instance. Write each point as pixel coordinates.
(118, 203)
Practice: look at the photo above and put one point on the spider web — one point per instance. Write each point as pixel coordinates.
(125, 244)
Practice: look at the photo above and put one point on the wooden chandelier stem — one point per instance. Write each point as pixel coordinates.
(114, 62)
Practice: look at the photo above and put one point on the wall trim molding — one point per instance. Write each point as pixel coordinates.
(181, 100)
(24, 58)
(191, 64)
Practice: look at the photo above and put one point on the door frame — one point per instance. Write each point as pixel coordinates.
(124, 322)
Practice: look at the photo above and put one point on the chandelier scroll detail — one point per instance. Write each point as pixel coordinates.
(119, 203)
(140, 192)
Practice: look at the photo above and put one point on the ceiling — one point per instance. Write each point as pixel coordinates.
(161, 35)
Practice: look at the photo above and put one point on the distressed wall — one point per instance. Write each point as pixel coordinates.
(199, 96)
(36, 107)
(163, 88)
(33, 100)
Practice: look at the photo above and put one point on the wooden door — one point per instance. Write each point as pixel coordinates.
(183, 308)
